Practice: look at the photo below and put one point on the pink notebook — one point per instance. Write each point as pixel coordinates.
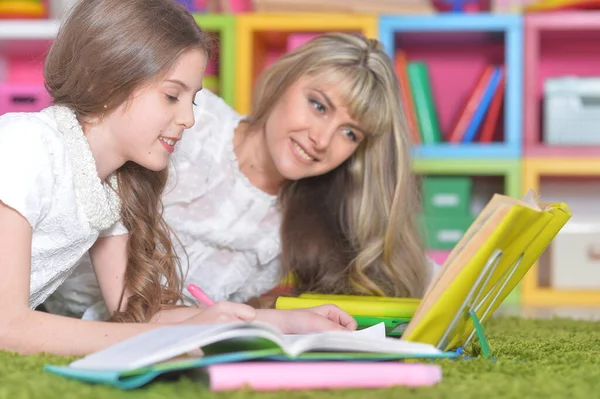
(269, 376)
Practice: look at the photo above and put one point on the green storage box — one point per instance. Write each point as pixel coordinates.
(447, 196)
(443, 232)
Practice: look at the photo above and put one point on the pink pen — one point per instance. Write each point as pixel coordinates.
(199, 294)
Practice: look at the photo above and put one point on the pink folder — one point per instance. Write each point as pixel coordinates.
(269, 376)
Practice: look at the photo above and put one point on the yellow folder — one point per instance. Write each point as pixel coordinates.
(362, 298)
(501, 245)
(355, 306)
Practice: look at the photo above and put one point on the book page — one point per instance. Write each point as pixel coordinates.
(376, 331)
(168, 342)
(371, 339)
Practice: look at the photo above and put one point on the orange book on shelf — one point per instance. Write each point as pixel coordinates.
(491, 119)
(407, 98)
(466, 114)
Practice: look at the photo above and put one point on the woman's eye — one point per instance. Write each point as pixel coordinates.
(318, 106)
(351, 135)
(171, 99)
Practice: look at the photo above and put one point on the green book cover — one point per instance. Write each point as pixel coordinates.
(424, 105)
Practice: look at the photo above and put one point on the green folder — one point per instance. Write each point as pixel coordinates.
(394, 326)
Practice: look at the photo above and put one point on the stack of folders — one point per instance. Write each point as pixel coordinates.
(394, 313)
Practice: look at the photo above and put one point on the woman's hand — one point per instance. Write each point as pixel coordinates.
(308, 320)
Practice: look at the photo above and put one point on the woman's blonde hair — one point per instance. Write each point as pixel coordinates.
(104, 51)
(352, 230)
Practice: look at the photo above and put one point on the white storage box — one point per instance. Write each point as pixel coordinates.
(575, 257)
(572, 110)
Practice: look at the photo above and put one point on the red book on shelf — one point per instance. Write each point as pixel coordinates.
(407, 98)
(466, 114)
(491, 119)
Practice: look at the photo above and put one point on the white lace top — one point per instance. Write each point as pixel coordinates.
(48, 175)
(228, 227)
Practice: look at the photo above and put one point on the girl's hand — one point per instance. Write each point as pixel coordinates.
(222, 312)
(308, 320)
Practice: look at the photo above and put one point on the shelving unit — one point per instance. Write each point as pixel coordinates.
(556, 44)
(263, 33)
(509, 169)
(224, 26)
(456, 47)
(532, 48)
(534, 170)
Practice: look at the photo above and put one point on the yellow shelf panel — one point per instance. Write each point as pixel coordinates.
(551, 297)
(249, 24)
(367, 23)
(561, 167)
(533, 171)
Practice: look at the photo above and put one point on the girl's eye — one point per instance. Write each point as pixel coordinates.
(171, 99)
(351, 135)
(318, 106)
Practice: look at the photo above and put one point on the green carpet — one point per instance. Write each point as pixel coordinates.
(535, 359)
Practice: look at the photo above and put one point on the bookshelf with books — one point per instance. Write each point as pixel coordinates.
(262, 37)
(464, 77)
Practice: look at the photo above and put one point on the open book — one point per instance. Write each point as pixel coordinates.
(497, 250)
(167, 342)
(135, 361)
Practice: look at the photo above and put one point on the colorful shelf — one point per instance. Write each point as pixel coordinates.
(253, 42)
(532, 48)
(533, 171)
(224, 26)
(507, 168)
(556, 44)
(464, 41)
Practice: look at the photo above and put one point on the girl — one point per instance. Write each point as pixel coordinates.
(316, 183)
(123, 76)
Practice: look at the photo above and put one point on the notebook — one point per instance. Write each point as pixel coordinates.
(355, 305)
(319, 375)
(135, 361)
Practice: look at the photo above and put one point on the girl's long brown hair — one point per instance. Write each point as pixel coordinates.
(353, 230)
(104, 51)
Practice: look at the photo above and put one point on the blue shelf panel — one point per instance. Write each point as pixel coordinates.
(470, 151)
(481, 22)
(512, 27)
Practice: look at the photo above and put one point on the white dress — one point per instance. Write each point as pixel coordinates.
(228, 227)
(48, 175)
